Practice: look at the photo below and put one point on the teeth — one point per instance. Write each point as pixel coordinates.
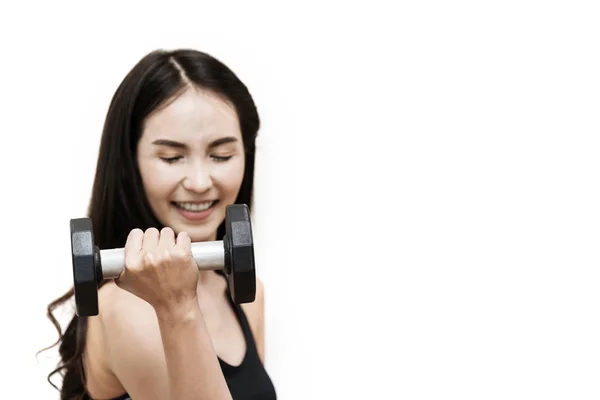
(195, 207)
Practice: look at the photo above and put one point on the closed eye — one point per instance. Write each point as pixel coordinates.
(221, 158)
(171, 160)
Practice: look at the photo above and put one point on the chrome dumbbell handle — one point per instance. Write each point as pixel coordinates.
(208, 256)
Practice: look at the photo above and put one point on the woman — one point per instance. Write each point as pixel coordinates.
(177, 148)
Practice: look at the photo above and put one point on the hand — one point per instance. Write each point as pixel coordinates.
(159, 268)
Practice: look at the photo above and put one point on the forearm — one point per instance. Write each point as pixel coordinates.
(192, 365)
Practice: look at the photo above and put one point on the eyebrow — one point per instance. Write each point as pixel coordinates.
(179, 145)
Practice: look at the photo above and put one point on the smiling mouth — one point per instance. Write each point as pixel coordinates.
(195, 206)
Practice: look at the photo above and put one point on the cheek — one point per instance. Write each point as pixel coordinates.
(230, 176)
(158, 181)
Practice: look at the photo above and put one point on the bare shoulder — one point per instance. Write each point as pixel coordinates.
(100, 382)
(118, 306)
(133, 345)
(127, 319)
(255, 310)
(121, 320)
(255, 313)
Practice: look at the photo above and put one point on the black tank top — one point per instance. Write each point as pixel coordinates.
(249, 380)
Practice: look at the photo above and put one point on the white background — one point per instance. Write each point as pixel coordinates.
(427, 207)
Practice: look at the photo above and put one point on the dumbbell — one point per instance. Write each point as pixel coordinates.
(234, 255)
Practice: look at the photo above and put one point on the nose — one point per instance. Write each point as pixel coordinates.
(198, 180)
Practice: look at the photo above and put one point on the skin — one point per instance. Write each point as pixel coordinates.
(163, 322)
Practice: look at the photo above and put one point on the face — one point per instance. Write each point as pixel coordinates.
(191, 160)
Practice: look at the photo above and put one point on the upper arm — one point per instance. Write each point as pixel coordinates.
(134, 346)
(256, 318)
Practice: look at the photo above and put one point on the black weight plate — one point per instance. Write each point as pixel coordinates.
(240, 243)
(84, 270)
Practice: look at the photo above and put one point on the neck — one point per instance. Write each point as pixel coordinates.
(210, 286)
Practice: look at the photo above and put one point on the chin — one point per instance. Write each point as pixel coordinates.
(202, 236)
(198, 233)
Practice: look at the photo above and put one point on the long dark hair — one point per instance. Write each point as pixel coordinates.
(118, 203)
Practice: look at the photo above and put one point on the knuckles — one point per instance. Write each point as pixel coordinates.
(157, 256)
(149, 259)
(180, 256)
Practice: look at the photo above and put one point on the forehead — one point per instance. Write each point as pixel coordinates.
(195, 116)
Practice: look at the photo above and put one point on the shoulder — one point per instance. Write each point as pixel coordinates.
(255, 313)
(255, 310)
(125, 317)
(111, 337)
(133, 348)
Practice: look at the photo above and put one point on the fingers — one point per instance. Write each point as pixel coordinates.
(134, 243)
(184, 242)
(167, 239)
(151, 248)
(151, 239)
